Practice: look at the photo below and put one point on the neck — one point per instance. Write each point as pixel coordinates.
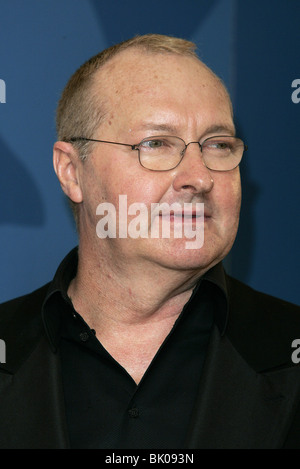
(133, 293)
(132, 306)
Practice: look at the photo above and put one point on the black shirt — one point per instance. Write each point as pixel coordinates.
(105, 408)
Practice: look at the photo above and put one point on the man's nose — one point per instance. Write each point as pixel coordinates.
(192, 174)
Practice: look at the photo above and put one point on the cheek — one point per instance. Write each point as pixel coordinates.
(229, 198)
(106, 181)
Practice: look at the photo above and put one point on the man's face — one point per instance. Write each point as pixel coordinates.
(150, 95)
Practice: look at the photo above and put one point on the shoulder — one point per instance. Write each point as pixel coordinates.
(30, 303)
(21, 326)
(262, 327)
(243, 296)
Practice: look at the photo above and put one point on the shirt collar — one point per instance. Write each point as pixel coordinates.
(216, 277)
(57, 301)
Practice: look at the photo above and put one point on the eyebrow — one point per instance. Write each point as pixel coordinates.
(169, 128)
(158, 127)
(221, 128)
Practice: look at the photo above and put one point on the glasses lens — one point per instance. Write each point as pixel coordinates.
(161, 153)
(222, 153)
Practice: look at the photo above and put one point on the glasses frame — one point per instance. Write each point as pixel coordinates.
(137, 145)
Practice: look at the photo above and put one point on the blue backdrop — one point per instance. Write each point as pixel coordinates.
(254, 45)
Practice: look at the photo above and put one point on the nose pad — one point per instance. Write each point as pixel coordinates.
(200, 152)
(198, 143)
(192, 174)
(183, 151)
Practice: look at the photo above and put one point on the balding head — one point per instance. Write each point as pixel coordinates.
(82, 106)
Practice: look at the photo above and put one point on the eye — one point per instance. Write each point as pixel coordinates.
(218, 145)
(153, 144)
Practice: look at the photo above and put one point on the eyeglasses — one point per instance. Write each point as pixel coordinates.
(163, 153)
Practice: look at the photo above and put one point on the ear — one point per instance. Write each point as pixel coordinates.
(66, 165)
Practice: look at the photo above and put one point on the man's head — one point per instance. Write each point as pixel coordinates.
(148, 86)
(82, 107)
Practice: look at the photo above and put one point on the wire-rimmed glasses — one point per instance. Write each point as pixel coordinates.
(165, 152)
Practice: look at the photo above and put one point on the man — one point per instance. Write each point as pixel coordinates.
(141, 340)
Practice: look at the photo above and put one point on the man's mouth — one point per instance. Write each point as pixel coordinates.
(184, 215)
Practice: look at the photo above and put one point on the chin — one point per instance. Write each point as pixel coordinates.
(176, 256)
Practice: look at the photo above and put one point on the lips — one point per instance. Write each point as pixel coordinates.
(182, 212)
(183, 219)
(185, 215)
(182, 215)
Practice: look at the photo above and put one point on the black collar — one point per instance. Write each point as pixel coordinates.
(57, 300)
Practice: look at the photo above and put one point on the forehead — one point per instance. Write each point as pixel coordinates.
(136, 70)
(135, 80)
